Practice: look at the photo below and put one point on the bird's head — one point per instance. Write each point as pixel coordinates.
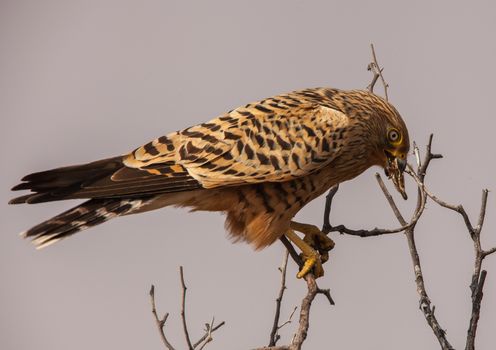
(384, 131)
(393, 145)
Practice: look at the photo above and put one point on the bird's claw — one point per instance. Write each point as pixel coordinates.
(312, 262)
(320, 242)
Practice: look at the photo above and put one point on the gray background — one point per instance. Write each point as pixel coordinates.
(82, 80)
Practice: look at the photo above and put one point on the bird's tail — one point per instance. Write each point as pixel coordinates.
(83, 216)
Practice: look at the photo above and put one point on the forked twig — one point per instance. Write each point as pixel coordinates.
(274, 335)
(478, 277)
(183, 309)
(377, 71)
(160, 322)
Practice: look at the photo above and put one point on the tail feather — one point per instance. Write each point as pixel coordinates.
(107, 178)
(111, 187)
(83, 216)
(61, 183)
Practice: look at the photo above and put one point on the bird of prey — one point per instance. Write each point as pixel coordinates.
(259, 164)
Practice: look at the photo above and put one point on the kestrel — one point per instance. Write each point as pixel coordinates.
(259, 164)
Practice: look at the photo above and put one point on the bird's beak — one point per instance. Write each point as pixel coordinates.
(394, 169)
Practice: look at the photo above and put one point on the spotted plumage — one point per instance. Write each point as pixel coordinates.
(259, 164)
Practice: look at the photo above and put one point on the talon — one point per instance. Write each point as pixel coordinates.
(312, 257)
(314, 237)
(324, 256)
(312, 262)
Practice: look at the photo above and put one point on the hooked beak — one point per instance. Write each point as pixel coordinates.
(394, 170)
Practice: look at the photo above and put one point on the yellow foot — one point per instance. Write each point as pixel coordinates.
(315, 238)
(311, 257)
(311, 262)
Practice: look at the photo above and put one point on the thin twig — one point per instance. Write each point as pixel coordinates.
(390, 200)
(425, 303)
(274, 336)
(478, 276)
(377, 71)
(488, 252)
(183, 309)
(304, 321)
(365, 233)
(294, 255)
(458, 208)
(207, 332)
(210, 328)
(159, 322)
(326, 227)
(290, 318)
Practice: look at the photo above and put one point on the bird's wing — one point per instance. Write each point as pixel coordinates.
(256, 143)
(260, 142)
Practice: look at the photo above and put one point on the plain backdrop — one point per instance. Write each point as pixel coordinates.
(83, 80)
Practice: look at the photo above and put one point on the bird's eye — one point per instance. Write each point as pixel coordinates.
(394, 136)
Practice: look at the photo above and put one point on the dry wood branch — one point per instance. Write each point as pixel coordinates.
(160, 322)
(478, 277)
(424, 303)
(183, 309)
(306, 304)
(476, 305)
(377, 71)
(294, 255)
(304, 321)
(490, 251)
(274, 336)
(326, 226)
(209, 329)
(409, 228)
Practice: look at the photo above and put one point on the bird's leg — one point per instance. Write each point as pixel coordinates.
(315, 238)
(310, 256)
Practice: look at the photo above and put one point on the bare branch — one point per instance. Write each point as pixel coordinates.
(377, 71)
(288, 321)
(209, 328)
(306, 303)
(488, 252)
(304, 320)
(183, 309)
(364, 233)
(427, 159)
(390, 200)
(482, 212)
(274, 336)
(476, 305)
(425, 303)
(409, 229)
(291, 250)
(160, 322)
(326, 227)
(458, 208)
(478, 276)
(208, 333)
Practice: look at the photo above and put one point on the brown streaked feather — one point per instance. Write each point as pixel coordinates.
(108, 178)
(250, 145)
(85, 215)
(260, 164)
